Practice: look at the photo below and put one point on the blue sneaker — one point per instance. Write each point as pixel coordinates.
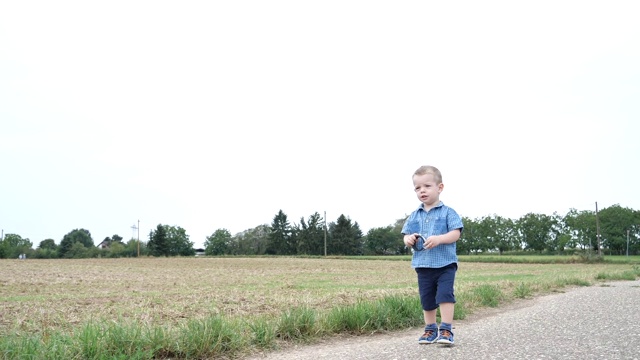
(445, 337)
(429, 337)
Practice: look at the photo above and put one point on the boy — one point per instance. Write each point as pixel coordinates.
(432, 231)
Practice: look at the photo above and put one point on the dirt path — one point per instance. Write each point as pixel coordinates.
(596, 322)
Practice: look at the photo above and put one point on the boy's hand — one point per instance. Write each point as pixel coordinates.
(410, 240)
(432, 241)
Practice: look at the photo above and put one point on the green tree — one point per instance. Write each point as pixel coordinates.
(131, 248)
(504, 234)
(488, 228)
(170, 241)
(559, 237)
(116, 250)
(311, 235)
(382, 241)
(48, 244)
(159, 242)
(179, 243)
(218, 243)
(478, 236)
(634, 234)
(614, 222)
(470, 238)
(536, 231)
(13, 245)
(345, 237)
(251, 241)
(77, 251)
(487, 234)
(81, 236)
(581, 226)
(46, 250)
(280, 236)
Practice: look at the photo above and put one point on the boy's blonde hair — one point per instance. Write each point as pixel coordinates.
(428, 169)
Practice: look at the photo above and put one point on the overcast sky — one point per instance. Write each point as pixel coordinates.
(217, 114)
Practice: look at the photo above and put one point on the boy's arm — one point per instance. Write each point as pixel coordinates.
(448, 238)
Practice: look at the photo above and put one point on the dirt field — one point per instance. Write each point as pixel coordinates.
(36, 295)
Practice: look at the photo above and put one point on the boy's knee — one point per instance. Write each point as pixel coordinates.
(445, 298)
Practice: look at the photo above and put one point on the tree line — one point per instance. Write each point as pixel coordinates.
(618, 229)
(164, 240)
(612, 231)
(535, 233)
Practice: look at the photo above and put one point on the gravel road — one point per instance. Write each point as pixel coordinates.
(596, 322)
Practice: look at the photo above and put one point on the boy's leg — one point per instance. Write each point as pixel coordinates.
(427, 286)
(446, 300)
(445, 333)
(429, 316)
(446, 312)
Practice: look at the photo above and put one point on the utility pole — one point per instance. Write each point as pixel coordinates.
(598, 232)
(325, 233)
(627, 242)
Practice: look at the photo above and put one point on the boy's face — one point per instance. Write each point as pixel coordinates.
(427, 191)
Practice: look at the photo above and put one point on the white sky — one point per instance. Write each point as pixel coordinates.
(217, 114)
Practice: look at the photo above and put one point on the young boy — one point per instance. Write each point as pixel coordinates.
(432, 231)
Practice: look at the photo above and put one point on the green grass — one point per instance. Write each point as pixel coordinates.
(389, 313)
(627, 275)
(296, 324)
(216, 336)
(522, 291)
(550, 259)
(263, 333)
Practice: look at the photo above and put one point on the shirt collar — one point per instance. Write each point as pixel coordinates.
(421, 207)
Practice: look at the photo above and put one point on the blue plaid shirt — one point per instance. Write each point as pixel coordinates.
(437, 221)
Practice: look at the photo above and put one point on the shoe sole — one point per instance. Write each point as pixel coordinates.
(444, 342)
(425, 342)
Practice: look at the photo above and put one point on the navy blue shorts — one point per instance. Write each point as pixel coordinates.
(436, 286)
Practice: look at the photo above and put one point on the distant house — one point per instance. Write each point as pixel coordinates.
(104, 244)
(199, 252)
